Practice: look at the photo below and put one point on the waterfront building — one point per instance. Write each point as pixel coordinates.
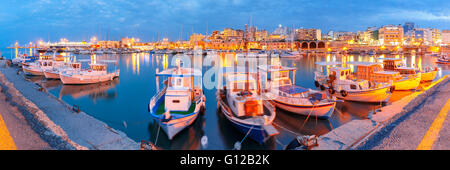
(427, 36)
(445, 37)
(126, 42)
(282, 30)
(196, 38)
(408, 26)
(367, 37)
(391, 35)
(308, 34)
(108, 44)
(344, 36)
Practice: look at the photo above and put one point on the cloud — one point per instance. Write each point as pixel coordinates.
(414, 15)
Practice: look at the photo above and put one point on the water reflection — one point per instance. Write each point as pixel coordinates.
(94, 91)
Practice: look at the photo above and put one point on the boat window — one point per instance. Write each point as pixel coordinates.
(178, 82)
(352, 86)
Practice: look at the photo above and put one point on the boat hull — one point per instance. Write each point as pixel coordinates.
(175, 125)
(408, 84)
(51, 75)
(33, 72)
(428, 76)
(323, 111)
(68, 79)
(370, 96)
(255, 132)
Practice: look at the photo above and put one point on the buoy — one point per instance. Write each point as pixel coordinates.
(204, 142)
(237, 145)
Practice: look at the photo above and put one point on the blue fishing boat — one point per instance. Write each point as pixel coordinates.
(242, 104)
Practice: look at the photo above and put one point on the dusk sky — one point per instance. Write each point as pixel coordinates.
(76, 20)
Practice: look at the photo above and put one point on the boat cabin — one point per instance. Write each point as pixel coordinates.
(339, 73)
(396, 64)
(242, 101)
(277, 75)
(98, 67)
(374, 72)
(180, 88)
(45, 63)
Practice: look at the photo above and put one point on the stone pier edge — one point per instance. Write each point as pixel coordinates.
(356, 132)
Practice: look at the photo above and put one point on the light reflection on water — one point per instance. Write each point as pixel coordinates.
(123, 103)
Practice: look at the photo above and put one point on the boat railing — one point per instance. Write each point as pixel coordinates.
(269, 106)
(221, 102)
(156, 98)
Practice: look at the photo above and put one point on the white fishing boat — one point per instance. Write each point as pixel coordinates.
(344, 85)
(179, 103)
(95, 74)
(37, 68)
(68, 67)
(290, 97)
(241, 103)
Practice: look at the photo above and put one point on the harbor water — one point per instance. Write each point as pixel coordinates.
(123, 102)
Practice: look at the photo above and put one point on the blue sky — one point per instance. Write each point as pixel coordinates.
(31, 20)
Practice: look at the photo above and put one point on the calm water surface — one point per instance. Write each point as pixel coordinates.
(123, 103)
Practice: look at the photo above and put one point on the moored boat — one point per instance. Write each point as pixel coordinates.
(37, 68)
(428, 74)
(95, 74)
(340, 82)
(241, 103)
(288, 96)
(373, 72)
(178, 104)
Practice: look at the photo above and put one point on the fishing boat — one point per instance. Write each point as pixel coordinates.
(290, 97)
(68, 67)
(397, 64)
(58, 62)
(344, 85)
(95, 74)
(428, 74)
(179, 103)
(241, 103)
(443, 59)
(24, 58)
(374, 72)
(37, 68)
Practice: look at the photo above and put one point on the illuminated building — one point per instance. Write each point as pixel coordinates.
(308, 34)
(391, 35)
(445, 36)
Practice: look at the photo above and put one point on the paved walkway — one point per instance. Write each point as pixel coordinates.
(427, 127)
